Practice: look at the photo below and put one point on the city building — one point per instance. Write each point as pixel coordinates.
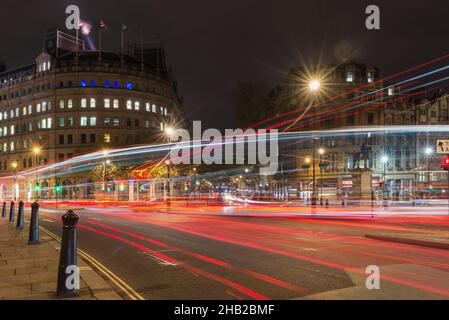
(72, 101)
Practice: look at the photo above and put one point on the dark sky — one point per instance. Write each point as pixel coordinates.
(211, 44)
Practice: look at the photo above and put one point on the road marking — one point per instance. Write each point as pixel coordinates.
(48, 220)
(160, 260)
(132, 294)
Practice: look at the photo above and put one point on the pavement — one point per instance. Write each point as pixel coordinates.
(30, 272)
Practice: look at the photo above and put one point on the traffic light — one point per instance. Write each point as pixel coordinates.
(446, 163)
(430, 187)
(57, 188)
(37, 187)
(186, 184)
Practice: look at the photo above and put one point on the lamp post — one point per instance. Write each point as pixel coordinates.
(36, 150)
(314, 87)
(321, 151)
(307, 177)
(428, 151)
(384, 160)
(14, 166)
(167, 163)
(105, 170)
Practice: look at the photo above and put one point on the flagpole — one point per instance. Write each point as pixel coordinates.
(122, 39)
(99, 32)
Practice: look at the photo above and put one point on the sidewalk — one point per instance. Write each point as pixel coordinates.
(30, 272)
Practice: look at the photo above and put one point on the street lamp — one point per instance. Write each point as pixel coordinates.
(384, 160)
(307, 160)
(321, 151)
(428, 151)
(14, 166)
(167, 163)
(314, 86)
(37, 151)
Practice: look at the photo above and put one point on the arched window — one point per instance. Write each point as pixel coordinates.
(147, 107)
(83, 103)
(136, 105)
(30, 109)
(24, 111)
(92, 102)
(129, 105)
(107, 103)
(70, 104)
(61, 104)
(116, 104)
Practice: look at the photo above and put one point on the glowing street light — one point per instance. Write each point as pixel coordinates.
(321, 151)
(37, 151)
(14, 166)
(314, 85)
(384, 159)
(428, 151)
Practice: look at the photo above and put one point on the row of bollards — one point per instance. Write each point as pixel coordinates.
(68, 272)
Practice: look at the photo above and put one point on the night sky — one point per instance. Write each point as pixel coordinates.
(211, 44)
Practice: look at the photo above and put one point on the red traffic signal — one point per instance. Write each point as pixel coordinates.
(446, 163)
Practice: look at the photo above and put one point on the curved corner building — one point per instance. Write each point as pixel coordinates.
(73, 101)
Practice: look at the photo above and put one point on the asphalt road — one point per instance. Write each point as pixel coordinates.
(199, 253)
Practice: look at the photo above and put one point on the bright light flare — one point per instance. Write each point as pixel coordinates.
(314, 85)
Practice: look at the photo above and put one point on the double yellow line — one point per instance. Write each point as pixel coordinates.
(125, 288)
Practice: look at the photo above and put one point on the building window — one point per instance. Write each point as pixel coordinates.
(83, 103)
(116, 122)
(116, 104)
(390, 91)
(93, 121)
(83, 138)
(136, 105)
(92, 103)
(129, 105)
(107, 103)
(61, 104)
(83, 121)
(38, 107)
(349, 77)
(61, 122)
(147, 107)
(30, 109)
(24, 111)
(370, 77)
(107, 138)
(61, 139)
(128, 122)
(70, 121)
(162, 126)
(69, 139)
(12, 130)
(136, 123)
(70, 104)
(93, 138)
(147, 124)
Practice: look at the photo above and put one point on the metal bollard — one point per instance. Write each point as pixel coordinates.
(4, 209)
(327, 203)
(20, 216)
(11, 212)
(34, 224)
(68, 275)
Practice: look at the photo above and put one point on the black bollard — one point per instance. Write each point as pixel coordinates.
(11, 212)
(34, 224)
(68, 276)
(4, 210)
(20, 216)
(327, 203)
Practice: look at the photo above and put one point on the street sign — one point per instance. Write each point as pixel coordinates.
(443, 146)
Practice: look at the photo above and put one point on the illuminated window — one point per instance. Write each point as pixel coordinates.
(70, 121)
(44, 123)
(38, 107)
(5, 147)
(83, 103)
(93, 121)
(116, 122)
(390, 91)
(49, 123)
(116, 105)
(165, 111)
(136, 105)
(44, 106)
(12, 130)
(70, 104)
(162, 126)
(129, 105)
(24, 111)
(12, 146)
(61, 122)
(154, 108)
(17, 112)
(370, 77)
(349, 77)
(61, 104)
(147, 124)
(106, 121)
(83, 121)
(1, 116)
(147, 107)
(92, 102)
(30, 109)
(107, 138)
(11, 112)
(107, 103)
